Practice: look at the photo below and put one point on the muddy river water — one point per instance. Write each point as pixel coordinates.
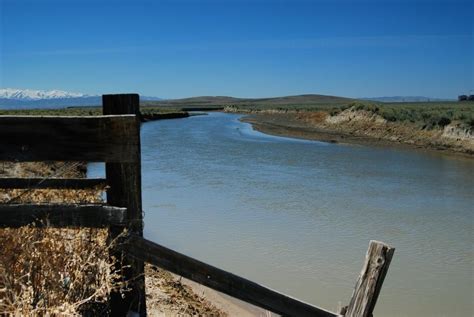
(298, 215)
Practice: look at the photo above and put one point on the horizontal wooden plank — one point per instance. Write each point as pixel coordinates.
(59, 138)
(56, 215)
(220, 280)
(53, 183)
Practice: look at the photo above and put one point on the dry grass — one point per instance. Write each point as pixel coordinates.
(43, 169)
(46, 170)
(168, 296)
(66, 272)
(48, 271)
(313, 117)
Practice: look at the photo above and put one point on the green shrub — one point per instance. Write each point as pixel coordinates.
(444, 121)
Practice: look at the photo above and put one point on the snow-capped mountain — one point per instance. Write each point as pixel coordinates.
(48, 99)
(28, 94)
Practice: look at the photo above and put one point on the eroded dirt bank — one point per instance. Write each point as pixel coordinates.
(364, 127)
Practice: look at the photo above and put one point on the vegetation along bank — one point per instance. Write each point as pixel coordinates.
(446, 127)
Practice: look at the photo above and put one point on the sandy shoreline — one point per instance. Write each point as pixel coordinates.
(280, 126)
(169, 294)
(229, 305)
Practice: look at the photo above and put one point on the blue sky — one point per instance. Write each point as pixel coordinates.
(240, 48)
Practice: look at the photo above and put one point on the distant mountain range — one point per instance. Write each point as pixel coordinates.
(6, 103)
(29, 94)
(298, 100)
(28, 98)
(405, 99)
(215, 101)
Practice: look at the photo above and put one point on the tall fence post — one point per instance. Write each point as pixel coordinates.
(369, 283)
(125, 191)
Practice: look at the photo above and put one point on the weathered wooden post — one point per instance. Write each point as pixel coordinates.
(125, 191)
(370, 280)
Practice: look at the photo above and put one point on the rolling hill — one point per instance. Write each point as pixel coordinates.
(221, 101)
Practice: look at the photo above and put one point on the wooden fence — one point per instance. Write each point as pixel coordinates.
(114, 138)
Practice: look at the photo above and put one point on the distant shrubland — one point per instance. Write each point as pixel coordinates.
(429, 115)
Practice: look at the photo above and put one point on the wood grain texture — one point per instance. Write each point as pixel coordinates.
(52, 183)
(124, 179)
(220, 280)
(59, 138)
(369, 283)
(58, 215)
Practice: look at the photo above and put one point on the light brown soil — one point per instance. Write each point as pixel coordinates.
(168, 296)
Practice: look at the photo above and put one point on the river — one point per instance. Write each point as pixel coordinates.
(298, 215)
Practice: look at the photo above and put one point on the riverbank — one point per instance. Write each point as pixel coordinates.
(362, 127)
(146, 115)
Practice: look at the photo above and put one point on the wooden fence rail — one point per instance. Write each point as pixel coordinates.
(362, 303)
(220, 280)
(57, 215)
(59, 138)
(52, 183)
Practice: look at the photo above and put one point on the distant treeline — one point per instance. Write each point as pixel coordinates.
(466, 98)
